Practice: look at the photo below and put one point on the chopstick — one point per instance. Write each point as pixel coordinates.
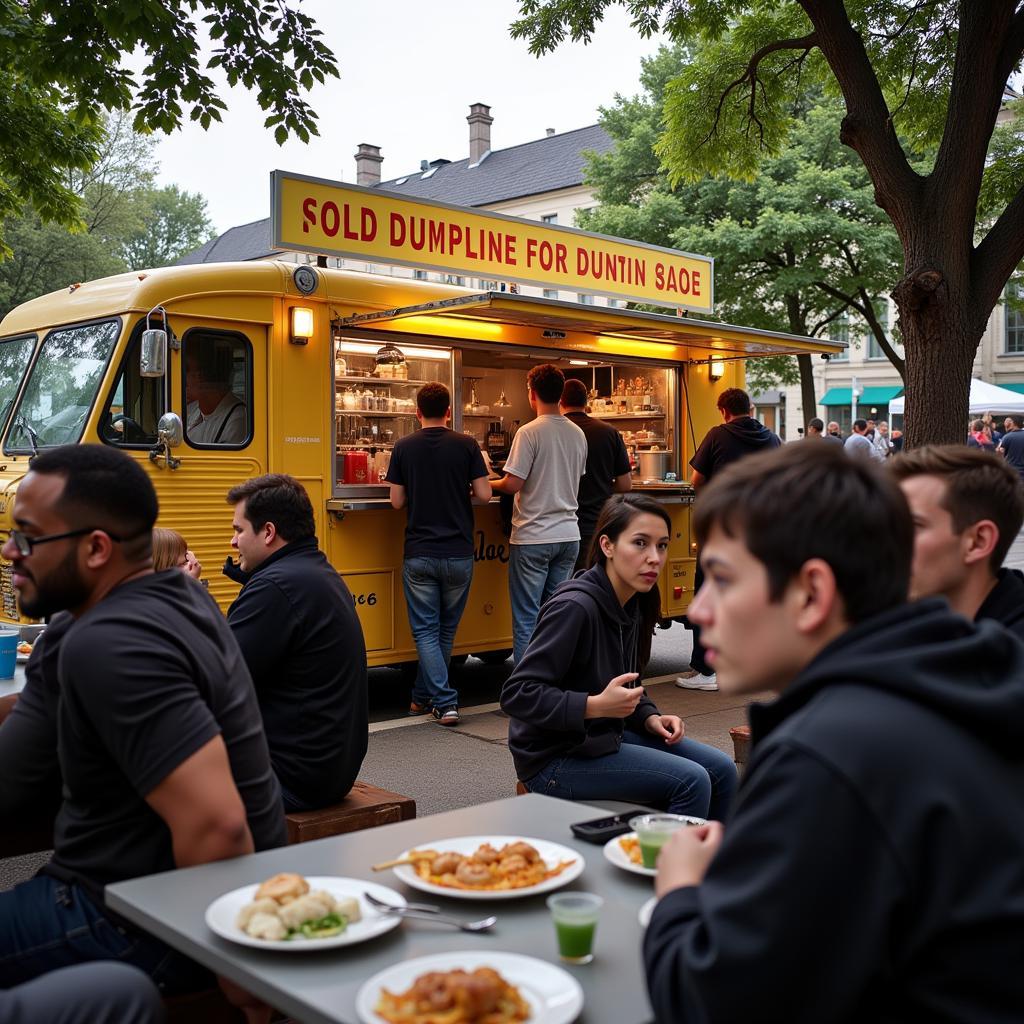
(384, 865)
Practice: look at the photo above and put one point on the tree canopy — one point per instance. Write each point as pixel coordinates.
(62, 65)
(795, 249)
(914, 76)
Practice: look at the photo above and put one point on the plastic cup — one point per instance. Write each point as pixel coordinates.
(8, 652)
(653, 831)
(575, 916)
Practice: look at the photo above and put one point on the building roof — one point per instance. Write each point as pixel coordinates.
(543, 165)
(533, 168)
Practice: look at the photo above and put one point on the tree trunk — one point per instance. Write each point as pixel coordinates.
(807, 396)
(941, 336)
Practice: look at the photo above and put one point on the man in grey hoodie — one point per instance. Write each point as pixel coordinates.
(738, 436)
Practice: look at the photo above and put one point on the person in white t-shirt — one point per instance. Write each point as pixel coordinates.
(543, 471)
(214, 413)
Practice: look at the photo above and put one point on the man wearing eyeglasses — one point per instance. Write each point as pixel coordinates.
(138, 697)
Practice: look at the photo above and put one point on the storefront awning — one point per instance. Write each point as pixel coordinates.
(508, 317)
(869, 396)
(1019, 388)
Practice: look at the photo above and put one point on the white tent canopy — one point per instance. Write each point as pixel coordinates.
(984, 398)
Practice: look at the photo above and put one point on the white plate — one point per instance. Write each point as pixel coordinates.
(551, 853)
(222, 913)
(22, 658)
(617, 855)
(646, 910)
(554, 995)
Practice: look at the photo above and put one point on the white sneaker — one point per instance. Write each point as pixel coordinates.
(698, 681)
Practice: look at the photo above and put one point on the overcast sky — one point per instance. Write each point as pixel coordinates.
(409, 71)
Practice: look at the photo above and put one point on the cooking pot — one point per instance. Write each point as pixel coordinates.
(654, 464)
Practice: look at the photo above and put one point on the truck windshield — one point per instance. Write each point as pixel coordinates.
(62, 386)
(14, 356)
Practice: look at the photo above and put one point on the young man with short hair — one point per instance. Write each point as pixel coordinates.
(543, 471)
(297, 626)
(148, 719)
(968, 507)
(871, 868)
(1011, 445)
(816, 430)
(607, 469)
(437, 475)
(738, 436)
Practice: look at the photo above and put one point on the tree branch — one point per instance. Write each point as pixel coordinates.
(867, 127)
(997, 257)
(868, 312)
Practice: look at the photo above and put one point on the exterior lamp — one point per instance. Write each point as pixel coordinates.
(716, 369)
(302, 325)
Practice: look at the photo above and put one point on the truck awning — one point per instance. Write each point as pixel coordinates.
(497, 317)
(880, 395)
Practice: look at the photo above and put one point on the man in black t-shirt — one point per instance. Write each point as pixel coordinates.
(608, 469)
(158, 739)
(736, 437)
(299, 632)
(1011, 445)
(432, 473)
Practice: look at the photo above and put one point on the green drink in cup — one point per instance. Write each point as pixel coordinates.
(575, 915)
(653, 830)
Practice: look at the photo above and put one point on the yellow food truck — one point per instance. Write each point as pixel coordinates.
(213, 373)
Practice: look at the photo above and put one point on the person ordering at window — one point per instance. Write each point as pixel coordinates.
(580, 728)
(214, 413)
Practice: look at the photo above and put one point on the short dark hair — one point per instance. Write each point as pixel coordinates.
(816, 424)
(574, 394)
(433, 401)
(734, 401)
(106, 489)
(798, 503)
(279, 499)
(1018, 421)
(977, 425)
(547, 380)
(860, 424)
(979, 485)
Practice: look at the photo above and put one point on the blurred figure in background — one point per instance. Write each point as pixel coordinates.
(170, 551)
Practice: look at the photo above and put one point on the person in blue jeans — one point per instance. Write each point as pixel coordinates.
(437, 475)
(543, 470)
(581, 728)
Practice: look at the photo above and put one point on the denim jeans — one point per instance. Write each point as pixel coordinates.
(46, 924)
(685, 778)
(534, 570)
(436, 590)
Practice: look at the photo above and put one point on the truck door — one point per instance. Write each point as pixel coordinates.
(216, 383)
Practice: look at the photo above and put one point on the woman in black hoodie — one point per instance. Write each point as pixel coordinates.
(580, 728)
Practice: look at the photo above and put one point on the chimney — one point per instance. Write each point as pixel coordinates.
(549, 132)
(368, 161)
(480, 122)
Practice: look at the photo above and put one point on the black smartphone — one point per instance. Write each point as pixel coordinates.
(600, 830)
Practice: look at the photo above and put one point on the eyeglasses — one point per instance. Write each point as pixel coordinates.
(25, 543)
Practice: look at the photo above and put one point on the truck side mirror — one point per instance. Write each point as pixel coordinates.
(153, 354)
(169, 429)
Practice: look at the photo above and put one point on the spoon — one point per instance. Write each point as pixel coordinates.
(467, 926)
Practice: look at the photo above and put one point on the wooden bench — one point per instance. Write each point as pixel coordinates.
(521, 789)
(366, 806)
(740, 743)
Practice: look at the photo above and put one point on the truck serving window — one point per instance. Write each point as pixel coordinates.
(136, 403)
(62, 386)
(218, 389)
(14, 356)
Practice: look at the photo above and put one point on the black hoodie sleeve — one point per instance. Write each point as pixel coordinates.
(535, 692)
(796, 906)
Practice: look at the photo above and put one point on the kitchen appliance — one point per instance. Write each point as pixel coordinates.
(654, 464)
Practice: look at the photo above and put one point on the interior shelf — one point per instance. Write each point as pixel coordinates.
(375, 381)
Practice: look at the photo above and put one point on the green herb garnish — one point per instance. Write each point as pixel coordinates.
(325, 927)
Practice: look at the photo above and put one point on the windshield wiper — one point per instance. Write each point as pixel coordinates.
(33, 437)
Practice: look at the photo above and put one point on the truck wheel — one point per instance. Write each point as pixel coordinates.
(494, 657)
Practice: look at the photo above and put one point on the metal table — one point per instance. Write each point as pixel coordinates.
(320, 988)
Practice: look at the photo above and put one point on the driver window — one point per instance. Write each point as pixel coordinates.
(218, 386)
(136, 403)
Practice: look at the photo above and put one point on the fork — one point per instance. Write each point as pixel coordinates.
(426, 908)
(432, 915)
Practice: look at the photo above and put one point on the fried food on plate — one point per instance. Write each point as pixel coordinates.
(308, 915)
(284, 887)
(631, 847)
(482, 996)
(516, 865)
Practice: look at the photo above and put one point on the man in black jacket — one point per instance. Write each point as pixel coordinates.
(297, 626)
(968, 506)
(738, 436)
(870, 870)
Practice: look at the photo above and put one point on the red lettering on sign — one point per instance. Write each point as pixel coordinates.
(659, 276)
(696, 282)
(560, 253)
(582, 261)
(308, 214)
(531, 251)
(368, 225)
(510, 251)
(417, 240)
(330, 219)
(397, 229)
(436, 241)
(347, 230)
(454, 236)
